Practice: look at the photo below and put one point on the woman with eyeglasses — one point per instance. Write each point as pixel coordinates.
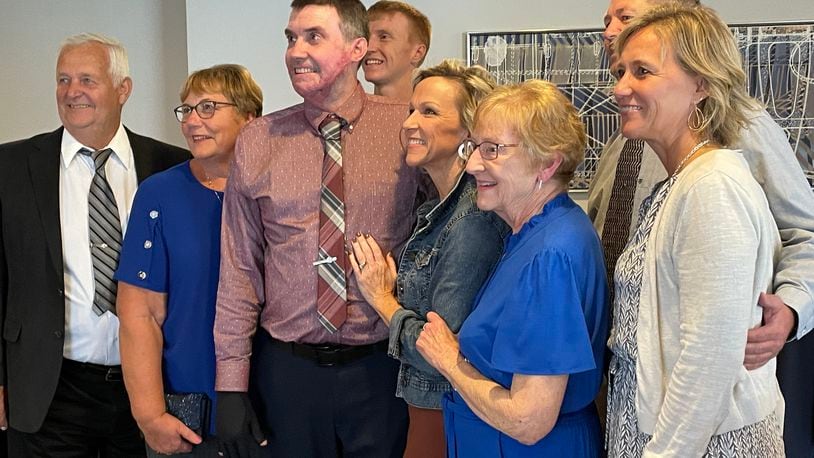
(169, 264)
(527, 362)
(452, 249)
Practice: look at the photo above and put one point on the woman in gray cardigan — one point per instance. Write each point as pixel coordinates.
(688, 282)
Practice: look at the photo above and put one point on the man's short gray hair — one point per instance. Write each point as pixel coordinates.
(118, 66)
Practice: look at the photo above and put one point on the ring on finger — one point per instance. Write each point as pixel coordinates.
(362, 265)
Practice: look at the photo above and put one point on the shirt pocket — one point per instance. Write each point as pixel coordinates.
(415, 277)
(424, 257)
(11, 330)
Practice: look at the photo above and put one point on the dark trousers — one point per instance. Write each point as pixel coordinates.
(348, 409)
(242, 447)
(89, 417)
(207, 449)
(795, 372)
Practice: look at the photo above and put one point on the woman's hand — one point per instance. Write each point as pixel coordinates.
(438, 345)
(375, 272)
(168, 435)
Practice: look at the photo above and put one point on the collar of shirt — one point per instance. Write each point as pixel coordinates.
(436, 207)
(120, 145)
(350, 111)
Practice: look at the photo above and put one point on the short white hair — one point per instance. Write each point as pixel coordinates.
(118, 65)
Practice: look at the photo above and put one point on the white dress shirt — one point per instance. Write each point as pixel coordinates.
(89, 337)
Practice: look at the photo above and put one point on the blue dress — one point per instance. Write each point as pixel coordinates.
(172, 246)
(543, 311)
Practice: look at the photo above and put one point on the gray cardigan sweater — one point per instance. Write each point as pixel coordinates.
(712, 250)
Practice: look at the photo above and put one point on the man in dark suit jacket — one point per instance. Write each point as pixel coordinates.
(59, 362)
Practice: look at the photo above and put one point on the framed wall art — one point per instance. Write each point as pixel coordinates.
(778, 60)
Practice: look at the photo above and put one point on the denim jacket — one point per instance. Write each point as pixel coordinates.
(451, 252)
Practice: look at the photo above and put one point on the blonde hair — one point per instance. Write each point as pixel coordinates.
(703, 47)
(475, 83)
(233, 81)
(544, 120)
(118, 66)
(420, 27)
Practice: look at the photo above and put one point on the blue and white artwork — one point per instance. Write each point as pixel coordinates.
(778, 60)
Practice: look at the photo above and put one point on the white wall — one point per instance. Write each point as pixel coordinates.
(153, 31)
(166, 38)
(252, 35)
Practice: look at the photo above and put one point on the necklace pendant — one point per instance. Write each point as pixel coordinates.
(211, 186)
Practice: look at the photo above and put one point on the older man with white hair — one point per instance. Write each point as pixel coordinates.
(65, 198)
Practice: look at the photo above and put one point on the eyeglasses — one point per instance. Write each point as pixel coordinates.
(206, 109)
(488, 150)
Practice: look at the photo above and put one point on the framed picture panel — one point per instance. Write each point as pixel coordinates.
(778, 59)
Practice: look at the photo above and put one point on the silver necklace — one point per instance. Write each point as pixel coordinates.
(688, 156)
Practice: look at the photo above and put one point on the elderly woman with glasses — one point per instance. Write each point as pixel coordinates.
(168, 270)
(527, 362)
(452, 249)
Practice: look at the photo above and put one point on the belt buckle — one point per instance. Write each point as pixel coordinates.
(113, 375)
(326, 355)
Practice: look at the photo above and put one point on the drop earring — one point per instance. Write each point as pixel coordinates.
(697, 120)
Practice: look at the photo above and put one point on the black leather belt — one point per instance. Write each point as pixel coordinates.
(327, 355)
(108, 373)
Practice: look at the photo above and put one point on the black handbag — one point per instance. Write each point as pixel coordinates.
(192, 409)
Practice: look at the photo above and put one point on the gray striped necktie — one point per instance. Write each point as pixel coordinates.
(105, 233)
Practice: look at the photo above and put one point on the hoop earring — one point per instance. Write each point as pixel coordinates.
(539, 184)
(696, 120)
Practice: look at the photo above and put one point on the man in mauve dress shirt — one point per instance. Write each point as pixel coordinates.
(315, 392)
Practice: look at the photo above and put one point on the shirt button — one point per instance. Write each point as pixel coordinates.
(142, 274)
(153, 214)
(60, 291)
(58, 334)
(148, 244)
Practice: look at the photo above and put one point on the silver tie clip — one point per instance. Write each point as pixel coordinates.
(327, 260)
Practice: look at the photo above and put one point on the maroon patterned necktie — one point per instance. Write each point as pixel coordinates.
(616, 230)
(331, 262)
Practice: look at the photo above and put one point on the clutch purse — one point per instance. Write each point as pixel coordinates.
(192, 409)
